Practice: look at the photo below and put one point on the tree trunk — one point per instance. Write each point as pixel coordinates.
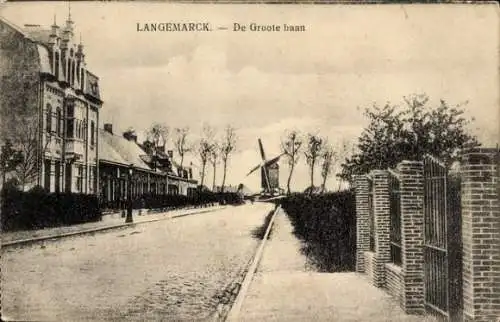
(323, 184)
(203, 173)
(213, 182)
(289, 179)
(224, 176)
(312, 176)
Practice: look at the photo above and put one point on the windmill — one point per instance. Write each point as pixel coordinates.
(269, 184)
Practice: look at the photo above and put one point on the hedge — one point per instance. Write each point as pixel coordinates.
(39, 209)
(152, 201)
(327, 225)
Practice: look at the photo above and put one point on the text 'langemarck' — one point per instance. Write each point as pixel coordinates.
(174, 26)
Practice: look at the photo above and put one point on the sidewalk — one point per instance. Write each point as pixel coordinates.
(108, 222)
(284, 289)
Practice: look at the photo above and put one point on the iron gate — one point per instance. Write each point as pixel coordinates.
(442, 242)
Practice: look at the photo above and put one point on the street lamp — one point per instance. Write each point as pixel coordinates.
(129, 218)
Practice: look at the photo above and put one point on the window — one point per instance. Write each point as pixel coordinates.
(79, 178)
(48, 118)
(70, 128)
(92, 133)
(77, 126)
(70, 110)
(94, 179)
(57, 176)
(46, 170)
(58, 122)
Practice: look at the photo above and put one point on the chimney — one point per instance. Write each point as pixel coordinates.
(170, 154)
(130, 135)
(108, 127)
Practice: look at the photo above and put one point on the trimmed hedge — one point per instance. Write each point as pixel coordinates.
(151, 201)
(38, 209)
(327, 225)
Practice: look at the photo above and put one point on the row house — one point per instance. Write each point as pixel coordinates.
(121, 154)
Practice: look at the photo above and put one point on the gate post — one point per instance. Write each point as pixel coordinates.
(362, 221)
(412, 237)
(481, 234)
(381, 209)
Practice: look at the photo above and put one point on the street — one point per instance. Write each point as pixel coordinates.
(166, 270)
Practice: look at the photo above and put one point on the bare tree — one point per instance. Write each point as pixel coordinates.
(227, 146)
(345, 151)
(328, 160)
(313, 152)
(290, 146)
(156, 137)
(205, 148)
(214, 160)
(29, 147)
(158, 134)
(181, 142)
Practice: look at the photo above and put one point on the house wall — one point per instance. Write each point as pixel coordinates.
(19, 99)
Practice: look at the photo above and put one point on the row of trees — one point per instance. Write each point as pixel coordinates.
(211, 149)
(317, 150)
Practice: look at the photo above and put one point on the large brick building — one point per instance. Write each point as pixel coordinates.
(50, 106)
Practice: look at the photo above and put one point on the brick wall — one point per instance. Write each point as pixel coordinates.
(481, 235)
(362, 221)
(412, 221)
(369, 260)
(382, 224)
(393, 280)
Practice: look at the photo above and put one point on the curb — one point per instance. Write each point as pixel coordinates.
(245, 285)
(100, 229)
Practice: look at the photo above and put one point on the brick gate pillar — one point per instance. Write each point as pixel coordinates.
(362, 221)
(412, 237)
(481, 235)
(381, 210)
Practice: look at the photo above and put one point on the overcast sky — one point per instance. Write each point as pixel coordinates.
(264, 83)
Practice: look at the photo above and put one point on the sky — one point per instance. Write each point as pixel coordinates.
(264, 83)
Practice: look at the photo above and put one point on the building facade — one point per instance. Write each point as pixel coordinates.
(50, 106)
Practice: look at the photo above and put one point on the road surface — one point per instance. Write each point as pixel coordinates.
(167, 270)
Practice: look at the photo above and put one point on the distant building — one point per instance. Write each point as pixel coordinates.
(50, 104)
(151, 175)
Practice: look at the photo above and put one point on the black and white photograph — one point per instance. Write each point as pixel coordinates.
(172, 161)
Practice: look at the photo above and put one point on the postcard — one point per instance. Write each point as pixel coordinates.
(171, 161)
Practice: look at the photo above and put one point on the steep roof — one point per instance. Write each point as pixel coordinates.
(116, 149)
(36, 33)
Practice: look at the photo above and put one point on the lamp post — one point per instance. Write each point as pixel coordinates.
(129, 218)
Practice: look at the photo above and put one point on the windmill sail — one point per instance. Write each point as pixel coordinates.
(262, 154)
